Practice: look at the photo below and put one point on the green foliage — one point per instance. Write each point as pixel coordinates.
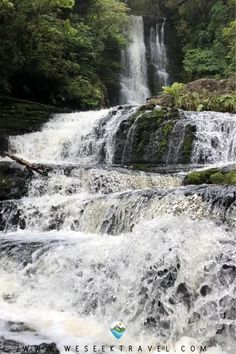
(201, 62)
(48, 52)
(175, 90)
(229, 34)
(205, 48)
(201, 100)
(206, 32)
(211, 176)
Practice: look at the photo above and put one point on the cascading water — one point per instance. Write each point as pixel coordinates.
(215, 137)
(134, 85)
(144, 62)
(158, 56)
(168, 274)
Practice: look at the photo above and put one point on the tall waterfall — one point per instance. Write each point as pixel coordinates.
(158, 53)
(134, 83)
(94, 243)
(144, 62)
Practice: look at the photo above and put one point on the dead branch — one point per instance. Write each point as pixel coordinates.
(27, 164)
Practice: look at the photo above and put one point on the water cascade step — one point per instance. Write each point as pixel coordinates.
(94, 241)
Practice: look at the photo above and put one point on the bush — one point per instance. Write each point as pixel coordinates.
(201, 100)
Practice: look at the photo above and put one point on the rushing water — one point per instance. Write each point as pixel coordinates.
(93, 243)
(90, 137)
(134, 85)
(158, 53)
(144, 62)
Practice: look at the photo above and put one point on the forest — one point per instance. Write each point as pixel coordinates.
(67, 53)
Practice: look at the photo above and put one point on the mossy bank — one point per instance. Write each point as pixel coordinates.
(200, 95)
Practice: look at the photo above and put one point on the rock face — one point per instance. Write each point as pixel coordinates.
(151, 136)
(13, 181)
(212, 85)
(20, 117)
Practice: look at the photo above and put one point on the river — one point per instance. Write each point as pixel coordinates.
(95, 242)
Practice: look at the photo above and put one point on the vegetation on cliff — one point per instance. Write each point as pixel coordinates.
(60, 51)
(205, 31)
(200, 95)
(67, 52)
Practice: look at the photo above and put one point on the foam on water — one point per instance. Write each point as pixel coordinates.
(168, 274)
(72, 289)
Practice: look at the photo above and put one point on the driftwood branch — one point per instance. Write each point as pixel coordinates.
(26, 164)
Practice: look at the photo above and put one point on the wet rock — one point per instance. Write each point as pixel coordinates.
(3, 144)
(14, 181)
(9, 215)
(228, 306)
(169, 279)
(227, 274)
(194, 318)
(149, 134)
(205, 290)
(183, 294)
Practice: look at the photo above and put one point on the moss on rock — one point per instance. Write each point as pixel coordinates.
(211, 176)
(188, 143)
(151, 135)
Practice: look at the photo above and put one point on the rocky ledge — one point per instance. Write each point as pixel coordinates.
(21, 116)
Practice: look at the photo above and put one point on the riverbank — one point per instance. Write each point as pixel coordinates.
(21, 116)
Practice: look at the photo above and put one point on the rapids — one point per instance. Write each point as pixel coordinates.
(94, 243)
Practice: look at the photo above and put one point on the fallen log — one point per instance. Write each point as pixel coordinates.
(27, 164)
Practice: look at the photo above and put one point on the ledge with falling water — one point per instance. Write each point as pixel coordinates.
(66, 246)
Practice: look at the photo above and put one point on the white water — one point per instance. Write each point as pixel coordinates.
(134, 85)
(89, 138)
(215, 137)
(73, 138)
(158, 53)
(72, 291)
(69, 284)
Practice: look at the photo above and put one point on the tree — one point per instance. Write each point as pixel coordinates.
(52, 54)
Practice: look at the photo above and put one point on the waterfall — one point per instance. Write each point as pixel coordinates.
(110, 136)
(144, 62)
(134, 85)
(92, 243)
(215, 137)
(158, 55)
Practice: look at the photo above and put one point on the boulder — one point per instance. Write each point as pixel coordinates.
(14, 181)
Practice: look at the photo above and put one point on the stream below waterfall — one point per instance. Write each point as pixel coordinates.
(95, 243)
